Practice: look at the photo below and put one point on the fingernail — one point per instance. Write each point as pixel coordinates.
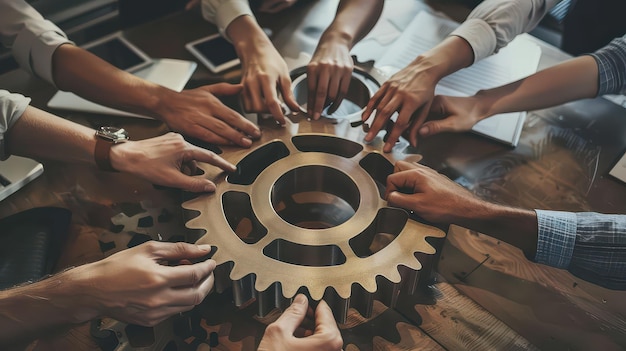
(300, 299)
(204, 247)
(257, 133)
(232, 167)
(209, 188)
(424, 130)
(246, 142)
(316, 115)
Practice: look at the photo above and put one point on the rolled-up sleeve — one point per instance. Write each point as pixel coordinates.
(31, 38)
(556, 238)
(12, 106)
(223, 12)
(494, 23)
(611, 61)
(592, 246)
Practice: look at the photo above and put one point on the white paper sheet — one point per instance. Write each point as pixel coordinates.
(619, 170)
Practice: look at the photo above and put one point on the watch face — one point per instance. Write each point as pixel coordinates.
(112, 134)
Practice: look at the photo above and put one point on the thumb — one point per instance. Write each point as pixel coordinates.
(293, 316)
(224, 89)
(177, 251)
(398, 199)
(436, 127)
(290, 99)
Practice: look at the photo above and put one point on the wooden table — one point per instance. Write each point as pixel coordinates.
(486, 295)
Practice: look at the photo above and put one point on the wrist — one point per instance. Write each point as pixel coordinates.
(451, 55)
(161, 103)
(106, 139)
(337, 37)
(247, 37)
(482, 105)
(76, 288)
(122, 155)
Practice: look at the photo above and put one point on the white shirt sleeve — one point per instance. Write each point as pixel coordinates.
(12, 106)
(494, 23)
(31, 38)
(223, 12)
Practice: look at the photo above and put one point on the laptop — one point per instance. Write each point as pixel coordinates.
(15, 172)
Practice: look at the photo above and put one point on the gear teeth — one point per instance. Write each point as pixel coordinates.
(243, 290)
(321, 228)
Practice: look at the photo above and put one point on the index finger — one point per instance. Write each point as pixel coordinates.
(404, 166)
(373, 103)
(272, 103)
(401, 180)
(285, 91)
(188, 275)
(324, 317)
(203, 155)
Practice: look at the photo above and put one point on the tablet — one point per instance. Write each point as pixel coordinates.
(119, 52)
(215, 52)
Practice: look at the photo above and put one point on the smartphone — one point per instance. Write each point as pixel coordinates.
(215, 52)
(119, 52)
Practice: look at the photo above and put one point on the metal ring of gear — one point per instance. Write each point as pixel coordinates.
(305, 212)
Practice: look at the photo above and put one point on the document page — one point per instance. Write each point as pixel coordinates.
(515, 61)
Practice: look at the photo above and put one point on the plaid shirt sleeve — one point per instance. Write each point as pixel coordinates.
(611, 61)
(592, 246)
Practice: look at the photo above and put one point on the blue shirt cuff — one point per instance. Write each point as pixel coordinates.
(556, 238)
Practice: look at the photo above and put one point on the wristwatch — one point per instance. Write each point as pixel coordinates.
(106, 137)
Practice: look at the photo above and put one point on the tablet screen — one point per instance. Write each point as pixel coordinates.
(217, 50)
(119, 53)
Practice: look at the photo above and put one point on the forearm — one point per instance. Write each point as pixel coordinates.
(449, 56)
(571, 80)
(38, 134)
(353, 20)
(33, 309)
(78, 71)
(517, 227)
(248, 38)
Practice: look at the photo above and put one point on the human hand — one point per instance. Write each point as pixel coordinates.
(134, 286)
(455, 114)
(162, 160)
(429, 194)
(280, 335)
(200, 114)
(328, 75)
(409, 92)
(265, 73)
(274, 6)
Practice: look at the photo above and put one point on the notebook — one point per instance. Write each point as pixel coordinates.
(515, 61)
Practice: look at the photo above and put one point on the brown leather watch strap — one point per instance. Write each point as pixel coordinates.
(102, 155)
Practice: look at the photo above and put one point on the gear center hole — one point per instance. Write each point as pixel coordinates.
(315, 197)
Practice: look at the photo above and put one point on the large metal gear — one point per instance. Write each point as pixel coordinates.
(305, 211)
